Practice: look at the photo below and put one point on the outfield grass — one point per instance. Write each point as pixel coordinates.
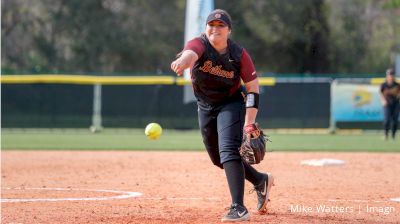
(133, 139)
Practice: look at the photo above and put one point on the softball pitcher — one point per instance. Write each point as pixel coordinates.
(218, 65)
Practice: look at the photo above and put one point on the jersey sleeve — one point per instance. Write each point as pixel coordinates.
(195, 45)
(247, 71)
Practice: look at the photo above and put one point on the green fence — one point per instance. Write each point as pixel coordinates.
(67, 101)
(58, 101)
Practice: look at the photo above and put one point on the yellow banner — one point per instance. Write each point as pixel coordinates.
(87, 79)
(106, 80)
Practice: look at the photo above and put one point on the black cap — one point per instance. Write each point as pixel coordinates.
(390, 71)
(220, 16)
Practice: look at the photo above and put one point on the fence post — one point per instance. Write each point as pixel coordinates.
(96, 117)
(332, 122)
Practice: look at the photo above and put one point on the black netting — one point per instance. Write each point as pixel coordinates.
(285, 105)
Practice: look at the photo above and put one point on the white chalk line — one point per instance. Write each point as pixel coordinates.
(122, 195)
(131, 194)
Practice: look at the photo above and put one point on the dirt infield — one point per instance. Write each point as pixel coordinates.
(183, 187)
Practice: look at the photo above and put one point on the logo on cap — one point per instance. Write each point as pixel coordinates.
(217, 16)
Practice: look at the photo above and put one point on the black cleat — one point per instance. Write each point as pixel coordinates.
(237, 213)
(263, 191)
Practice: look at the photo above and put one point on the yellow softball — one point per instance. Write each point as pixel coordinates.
(153, 131)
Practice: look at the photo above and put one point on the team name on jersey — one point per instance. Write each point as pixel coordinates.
(216, 70)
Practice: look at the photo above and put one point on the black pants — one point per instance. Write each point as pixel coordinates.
(222, 130)
(391, 113)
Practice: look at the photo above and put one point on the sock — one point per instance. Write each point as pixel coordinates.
(235, 175)
(252, 174)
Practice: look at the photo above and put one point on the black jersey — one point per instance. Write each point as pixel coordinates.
(215, 77)
(391, 92)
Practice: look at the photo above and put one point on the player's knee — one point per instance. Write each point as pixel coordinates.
(214, 155)
(228, 156)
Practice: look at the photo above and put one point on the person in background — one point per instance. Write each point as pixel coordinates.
(390, 98)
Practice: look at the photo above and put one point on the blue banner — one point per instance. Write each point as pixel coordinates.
(356, 102)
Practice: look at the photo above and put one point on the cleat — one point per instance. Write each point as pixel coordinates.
(237, 213)
(263, 191)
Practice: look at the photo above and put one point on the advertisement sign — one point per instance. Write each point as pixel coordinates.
(356, 102)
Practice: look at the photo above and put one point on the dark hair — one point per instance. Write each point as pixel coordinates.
(390, 71)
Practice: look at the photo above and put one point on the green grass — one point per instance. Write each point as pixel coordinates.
(79, 139)
(134, 139)
(338, 142)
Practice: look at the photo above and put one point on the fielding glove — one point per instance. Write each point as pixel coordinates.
(253, 146)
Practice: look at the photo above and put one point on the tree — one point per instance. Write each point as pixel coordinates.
(363, 36)
(91, 36)
(284, 36)
(143, 36)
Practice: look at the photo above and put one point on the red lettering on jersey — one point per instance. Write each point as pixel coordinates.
(216, 70)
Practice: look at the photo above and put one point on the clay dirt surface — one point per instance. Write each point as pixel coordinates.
(184, 187)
